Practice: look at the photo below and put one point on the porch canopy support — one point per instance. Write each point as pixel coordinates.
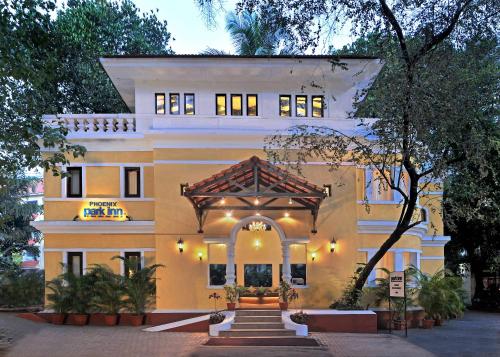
(255, 185)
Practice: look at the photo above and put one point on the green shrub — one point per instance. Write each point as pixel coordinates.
(108, 290)
(21, 288)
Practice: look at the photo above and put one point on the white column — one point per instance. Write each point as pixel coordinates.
(398, 261)
(230, 273)
(287, 271)
(373, 273)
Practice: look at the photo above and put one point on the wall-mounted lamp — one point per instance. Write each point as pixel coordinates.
(200, 256)
(180, 245)
(229, 214)
(333, 244)
(257, 243)
(256, 202)
(290, 202)
(257, 213)
(313, 256)
(222, 201)
(286, 214)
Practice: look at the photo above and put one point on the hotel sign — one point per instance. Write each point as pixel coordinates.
(103, 210)
(397, 284)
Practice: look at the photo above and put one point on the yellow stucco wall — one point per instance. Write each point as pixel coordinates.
(183, 283)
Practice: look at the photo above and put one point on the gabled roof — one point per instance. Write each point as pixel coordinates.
(254, 179)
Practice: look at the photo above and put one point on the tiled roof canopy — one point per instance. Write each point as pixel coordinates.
(254, 185)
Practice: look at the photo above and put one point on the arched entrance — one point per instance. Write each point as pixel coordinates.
(285, 246)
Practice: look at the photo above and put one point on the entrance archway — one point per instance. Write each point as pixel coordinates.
(285, 247)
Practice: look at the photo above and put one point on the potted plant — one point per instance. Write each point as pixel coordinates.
(140, 290)
(58, 300)
(440, 294)
(284, 294)
(231, 296)
(108, 293)
(216, 317)
(260, 292)
(79, 290)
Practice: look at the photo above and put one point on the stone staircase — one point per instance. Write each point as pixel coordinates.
(257, 323)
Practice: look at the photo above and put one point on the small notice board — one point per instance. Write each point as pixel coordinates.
(397, 284)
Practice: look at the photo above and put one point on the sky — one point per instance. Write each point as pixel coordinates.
(191, 34)
(187, 26)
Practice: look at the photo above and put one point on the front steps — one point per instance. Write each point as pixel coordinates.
(257, 323)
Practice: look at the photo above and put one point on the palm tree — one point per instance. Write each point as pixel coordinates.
(251, 35)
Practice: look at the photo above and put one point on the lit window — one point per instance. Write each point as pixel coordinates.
(299, 274)
(75, 263)
(74, 182)
(174, 103)
(236, 104)
(189, 104)
(132, 182)
(252, 105)
(132, 263)
(259, 275)
(285, 105)
(300, 105)
(160, 103)
(318, 106)
(220, 104)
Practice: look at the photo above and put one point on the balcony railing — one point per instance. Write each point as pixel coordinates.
(137, 125)
(94, 123)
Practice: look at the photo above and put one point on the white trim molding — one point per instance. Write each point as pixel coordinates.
(431, 257)
(80, 199)
(387, 227)
(96, 250)
(86, 227)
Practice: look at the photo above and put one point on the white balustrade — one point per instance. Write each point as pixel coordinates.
(94, 123)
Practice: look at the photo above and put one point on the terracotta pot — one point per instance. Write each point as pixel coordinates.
(110, 320)
(135, 320)
(57, 319)
(438, 322)
(79, 319)
(283, 306)
(399, 324)
(427, 323)
(231, 306)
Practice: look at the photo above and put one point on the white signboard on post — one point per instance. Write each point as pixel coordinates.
(397, 284)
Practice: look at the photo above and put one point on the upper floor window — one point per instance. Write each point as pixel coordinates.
(285, 105)
(189, 104)
(75, 263)
(252, 105)
(174, 103)
(74, 182)
(236, 104)
(301, 105)
(220, 104)
(318, 102)
(132, 263)
(132, 182)
(160, 103)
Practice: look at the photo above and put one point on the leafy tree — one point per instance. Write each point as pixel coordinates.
(252, 35)
(49, 63)
(16, 234)
(472, 199)
(434, 103)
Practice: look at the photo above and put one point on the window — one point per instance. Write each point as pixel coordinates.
(189, 103)
(380, 190)
(259, 275)
(285, 105)
(299, 274)
(220, 104)
(174, 103)
(318, 106)
(74, 182)
(252, 105)
(75, 263)
(132, 182)
(132, 263)
(301, 105)
(160, 103)
(217, 274)
(236, 104)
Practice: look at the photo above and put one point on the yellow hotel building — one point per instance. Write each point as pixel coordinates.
(183, 181)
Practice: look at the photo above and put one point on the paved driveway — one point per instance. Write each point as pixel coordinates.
(475, 335)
